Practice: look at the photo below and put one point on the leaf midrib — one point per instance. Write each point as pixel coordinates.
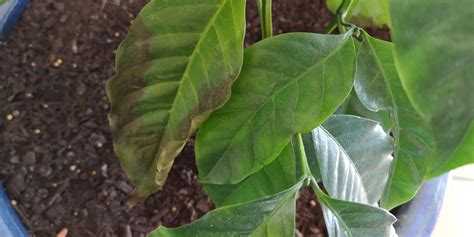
(277, 208)
(352, 164)
(185, 75)
(393, 114)
(322, 197)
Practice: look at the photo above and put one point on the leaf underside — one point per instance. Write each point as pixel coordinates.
(353, 155)
(307, 78)
(379, 88)
(435, 59)
(354, 158)
(345, 218)
(176, 65)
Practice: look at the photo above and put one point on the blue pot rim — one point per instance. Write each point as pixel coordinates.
(419, 216)
(10, 13)
(10, 224)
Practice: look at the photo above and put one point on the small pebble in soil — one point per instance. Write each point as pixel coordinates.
(312, 203)
(33, 64)
(74, 65)
(14, 159)
(14, 202)
(70, 154)
(173, 209)
(117, 34)
(45, 170)
(104, 170)
(9, 117)
(29, 95)
(93, 173)
(37, 131)
(72, 168)
(99, 145)
(57, 63)
(45, 106)
(16, 113)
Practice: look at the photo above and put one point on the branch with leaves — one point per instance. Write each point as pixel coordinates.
(369, 120)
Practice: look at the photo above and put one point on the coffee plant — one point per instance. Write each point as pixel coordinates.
(363, 122)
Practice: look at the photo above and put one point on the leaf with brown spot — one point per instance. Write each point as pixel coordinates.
(175, 67)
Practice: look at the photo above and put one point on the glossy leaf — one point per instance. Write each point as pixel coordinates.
(271, 179)
(462, 155)
(289, 83)
(270, 216)
(435, 59)
(354, 158)
(365, 12)
(345, 218)
(355, 107)
(176, 65)
(379, 88)
(310, 151)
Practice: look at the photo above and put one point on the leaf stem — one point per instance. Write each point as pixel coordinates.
(265, 12)
(305, 171)
(315, 186)
(330, 28)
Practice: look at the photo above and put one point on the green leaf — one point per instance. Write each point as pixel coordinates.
(289, 83)
(365, 12)
(271, 216)
(311, 152)
(345, 218)
(271, 179)
(176, 65)
(435, 59)
(379, 88)
(355, 107)
(354, 158)
(464, 153)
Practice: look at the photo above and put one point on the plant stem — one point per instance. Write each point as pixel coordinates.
(265, 12)
(341, 15)
(316, 189)
(305, 171)
(330, 28)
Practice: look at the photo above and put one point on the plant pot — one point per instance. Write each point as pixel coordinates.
(10, 224)
(10, 13)
(418, 217)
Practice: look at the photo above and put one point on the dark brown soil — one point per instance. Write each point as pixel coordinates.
(56, 157)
